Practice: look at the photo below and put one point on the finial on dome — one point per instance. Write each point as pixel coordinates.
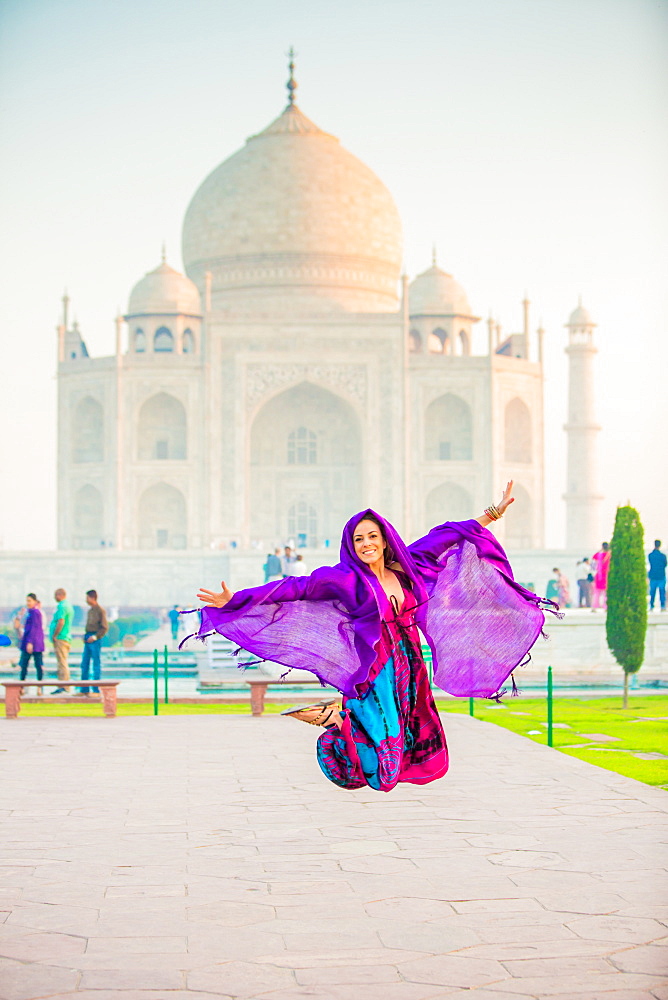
(434, 262)
(292, 83)
(163, 253)
(66, 303)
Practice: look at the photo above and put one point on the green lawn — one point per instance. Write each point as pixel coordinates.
(641, 729)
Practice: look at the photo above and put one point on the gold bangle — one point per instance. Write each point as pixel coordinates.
(493, 513)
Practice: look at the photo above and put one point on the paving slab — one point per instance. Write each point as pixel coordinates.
(192, 857)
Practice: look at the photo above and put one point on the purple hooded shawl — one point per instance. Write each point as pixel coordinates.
(479, 623)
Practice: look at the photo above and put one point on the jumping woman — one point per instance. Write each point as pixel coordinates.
(355, 626)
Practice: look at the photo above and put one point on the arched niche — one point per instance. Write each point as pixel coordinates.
(162, 428)
(163, 340)
(321, 432)
(88, 431)
(139, 341)
(517, 432)
(162, 518)
(448, 430)
(448, 502)
(414, 342)
(439, 342)
(519, 520)
(88, 527)
(463, 344)
(188, 341)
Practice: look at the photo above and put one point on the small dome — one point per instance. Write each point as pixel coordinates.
(435, 293)
(164, 291)
(580, 317)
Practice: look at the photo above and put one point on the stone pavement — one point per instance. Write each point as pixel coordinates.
(193, 857)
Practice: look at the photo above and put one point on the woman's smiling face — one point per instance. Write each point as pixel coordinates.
(369, 542)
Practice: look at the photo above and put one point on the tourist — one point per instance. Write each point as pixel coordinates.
(287, 561)
(60, 633)
(602, 566)
(32, 639)
(562, 588)
(174, 619)
(299, 566)
(585, 580)
(96, 628)
(355, 626)
(273, 568)
(657, 575)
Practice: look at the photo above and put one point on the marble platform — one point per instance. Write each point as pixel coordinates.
(200, 857)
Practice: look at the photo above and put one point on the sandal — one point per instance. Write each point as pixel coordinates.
(322, 718)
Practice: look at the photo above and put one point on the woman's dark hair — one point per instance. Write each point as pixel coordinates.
(390, 557)
(34, 596)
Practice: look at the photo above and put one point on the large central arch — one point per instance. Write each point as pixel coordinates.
(305, 454)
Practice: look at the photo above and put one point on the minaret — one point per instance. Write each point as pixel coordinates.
(582, 497)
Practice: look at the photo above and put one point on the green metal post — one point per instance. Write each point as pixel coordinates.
(166, 659)
(155, 681)
(470, 706)
(549, 706)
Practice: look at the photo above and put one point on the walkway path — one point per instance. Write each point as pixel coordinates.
(191, 857)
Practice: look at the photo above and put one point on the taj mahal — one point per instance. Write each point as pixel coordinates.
(293, 375)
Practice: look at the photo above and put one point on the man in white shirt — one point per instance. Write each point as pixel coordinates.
(287, 561)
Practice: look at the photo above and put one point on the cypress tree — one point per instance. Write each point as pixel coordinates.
(626, 621)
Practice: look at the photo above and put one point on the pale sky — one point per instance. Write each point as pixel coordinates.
(524, 138)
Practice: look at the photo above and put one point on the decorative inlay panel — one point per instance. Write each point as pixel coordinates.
(261, 380)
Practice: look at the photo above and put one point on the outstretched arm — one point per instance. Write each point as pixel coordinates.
(426, 551)
(493, 513)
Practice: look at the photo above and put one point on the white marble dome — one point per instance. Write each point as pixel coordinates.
(293, 215)
(164, 291)
(436, 293)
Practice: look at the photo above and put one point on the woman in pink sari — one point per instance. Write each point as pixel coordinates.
(355, 626)
(601, 561)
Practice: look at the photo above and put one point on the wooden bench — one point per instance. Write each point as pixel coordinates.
(14, 692)
(258, 690)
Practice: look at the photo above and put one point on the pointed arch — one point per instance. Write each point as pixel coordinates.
(447, 502)
(439, 341)
(163, 340)
(139, 341)
(305, 448)
(88, 431)
(162, 428)
(162, 518)
(414, 342)
(448, 430)
(188, 341)
(517, 432)
(88, 528)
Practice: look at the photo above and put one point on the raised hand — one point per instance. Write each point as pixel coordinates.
(507, 499)
(213, 599)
